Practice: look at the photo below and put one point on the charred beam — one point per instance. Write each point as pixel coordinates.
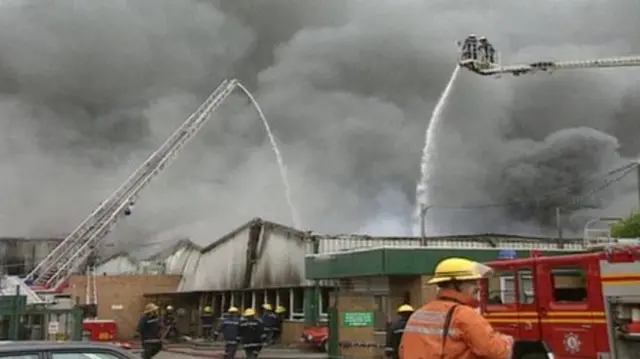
(252, 253)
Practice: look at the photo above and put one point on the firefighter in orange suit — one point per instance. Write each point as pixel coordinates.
(450, 326)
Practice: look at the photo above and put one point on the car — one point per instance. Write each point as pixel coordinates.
(62, 350)
(316, 337)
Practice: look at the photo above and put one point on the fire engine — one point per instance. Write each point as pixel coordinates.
(584, 305)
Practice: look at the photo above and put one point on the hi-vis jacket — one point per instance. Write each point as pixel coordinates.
(451, 328)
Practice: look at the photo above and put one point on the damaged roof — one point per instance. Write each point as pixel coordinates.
(249, 224)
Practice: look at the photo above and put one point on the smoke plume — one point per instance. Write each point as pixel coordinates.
(89, 88)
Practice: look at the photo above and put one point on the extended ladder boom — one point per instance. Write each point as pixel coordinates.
(76, 248)
(478, 55)
(550, 66)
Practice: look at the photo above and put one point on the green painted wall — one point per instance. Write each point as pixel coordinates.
(395, 261)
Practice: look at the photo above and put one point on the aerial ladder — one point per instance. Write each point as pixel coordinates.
(478, 55)
(54, 270)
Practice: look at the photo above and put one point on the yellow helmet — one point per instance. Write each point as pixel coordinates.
(233, 310)
(405, 308)
(267, 306)
(249, 312)
(207, 309)
(150, 308)
(280, 309)
(459, 269)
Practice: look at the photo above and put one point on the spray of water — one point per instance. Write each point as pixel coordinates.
(428, 152)
(276, 150)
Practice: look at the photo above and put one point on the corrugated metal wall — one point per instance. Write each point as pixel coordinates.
(258, 255)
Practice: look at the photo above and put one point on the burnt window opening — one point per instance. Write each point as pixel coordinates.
(15, 266)
(284, 299)
(247, 300)
(260, 299)
(236, 300)
(297, 303)
(324, 301)
(216, 304)
(225, 303)
(272, 297)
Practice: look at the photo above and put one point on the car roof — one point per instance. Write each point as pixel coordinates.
(11, 346)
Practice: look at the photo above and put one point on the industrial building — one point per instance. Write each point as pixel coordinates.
(259, 262)
(265, 262)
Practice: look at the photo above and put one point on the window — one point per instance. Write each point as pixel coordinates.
(260, 299)
(247, 300)
(216, 305)
(526, 293)
(85, 355)
(226, 302)
(284, 299)
(272, 297)
(297, 303)
(236, 300)
(569, 285)
(381, 316)
(324, 302)
(501, 289)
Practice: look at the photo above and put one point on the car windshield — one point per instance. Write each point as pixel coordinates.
(82, 356)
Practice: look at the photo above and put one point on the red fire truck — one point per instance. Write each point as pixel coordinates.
(582, 305)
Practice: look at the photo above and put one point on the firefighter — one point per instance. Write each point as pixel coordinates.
(229, 330)
(270, 322)
(451, 323)
(469, 48)
(206, 321)
(487, 50)
(169, 321)
(280, 312)
(251, 333)
(150, 329)
(394, 333)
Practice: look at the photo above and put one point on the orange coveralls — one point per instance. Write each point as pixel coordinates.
(470, 336)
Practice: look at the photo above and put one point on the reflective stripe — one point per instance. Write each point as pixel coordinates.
(429, 316)
(428, 331)
(398, 331)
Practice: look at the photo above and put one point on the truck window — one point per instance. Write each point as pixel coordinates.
(569, 285)
(526, 293)
(501, 289)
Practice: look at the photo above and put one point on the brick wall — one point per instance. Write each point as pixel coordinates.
(121, 297)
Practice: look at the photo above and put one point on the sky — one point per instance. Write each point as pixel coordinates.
(89, 88)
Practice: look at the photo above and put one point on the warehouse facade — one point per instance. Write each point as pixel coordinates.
(307, 273)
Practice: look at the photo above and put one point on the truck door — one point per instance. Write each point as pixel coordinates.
(528, 317)
(566, 316)
(501, 308)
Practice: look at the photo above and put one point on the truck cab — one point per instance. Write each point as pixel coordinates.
(562, 301)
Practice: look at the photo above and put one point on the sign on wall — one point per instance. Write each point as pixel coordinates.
(358, 319)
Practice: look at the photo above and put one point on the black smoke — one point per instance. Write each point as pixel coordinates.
(88, 88)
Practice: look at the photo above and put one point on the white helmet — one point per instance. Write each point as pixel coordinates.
(472, 35)
(482, 38)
